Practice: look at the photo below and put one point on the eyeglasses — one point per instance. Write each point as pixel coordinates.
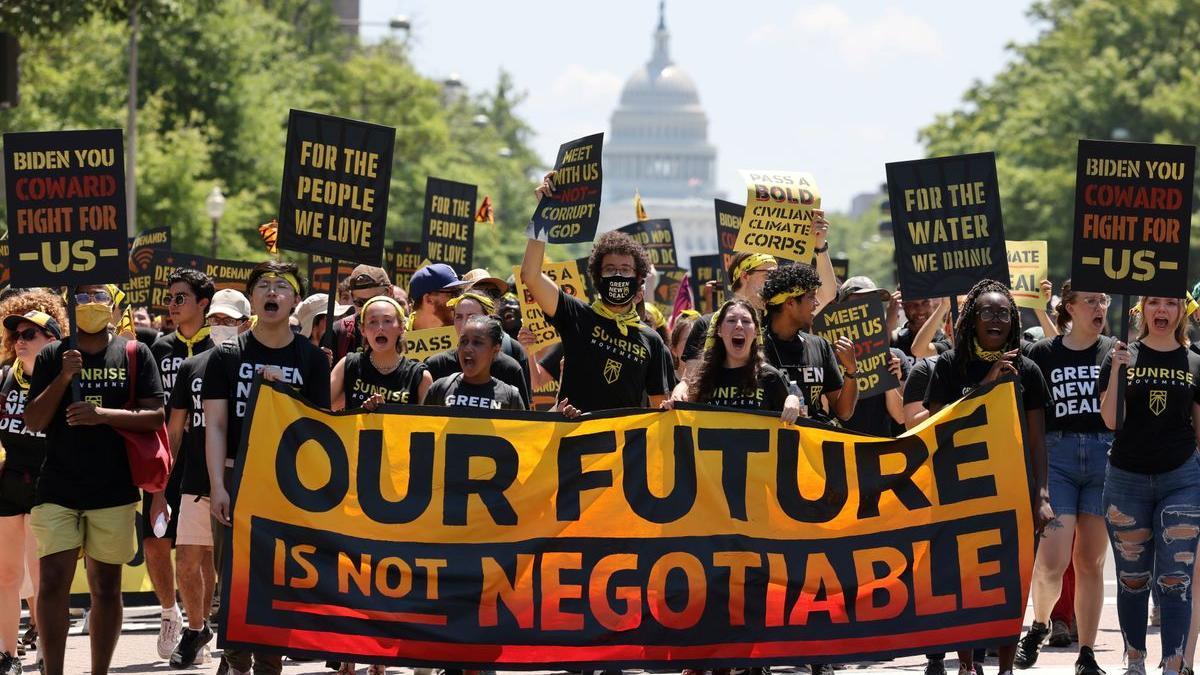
(226, 321)
(1095, 302)
(179, 299)
(613, 270)
(83, 298)
(29, 334)
(1001, 315)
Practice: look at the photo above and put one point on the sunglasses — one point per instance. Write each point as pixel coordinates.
(103, 297)
(29, 334)
(179, 299)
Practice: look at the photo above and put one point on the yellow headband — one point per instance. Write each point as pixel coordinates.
(1190, 306)
(688, 314)
(753, 261)
(288, 277)
(780, 298)
(656, 315)
(484, 301)
(362, 317)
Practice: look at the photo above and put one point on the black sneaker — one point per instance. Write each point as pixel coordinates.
(822, 669)
(191, 644)
(1060, 634)
(935, 667)
(1086, 663)
(9, 664)
(1029, 645)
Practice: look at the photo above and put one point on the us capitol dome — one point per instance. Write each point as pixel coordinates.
(658, 145)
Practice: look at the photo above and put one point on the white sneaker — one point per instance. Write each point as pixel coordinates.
(169, 631)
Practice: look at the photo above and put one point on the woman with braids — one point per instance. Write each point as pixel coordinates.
(32, 320)
(1152, 488)
(733, 373)
(987, 342)
(1077, 445)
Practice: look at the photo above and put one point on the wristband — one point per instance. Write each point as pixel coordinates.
(533, 232)
(823, 249)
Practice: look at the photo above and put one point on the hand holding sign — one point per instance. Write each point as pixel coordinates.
(568, 210)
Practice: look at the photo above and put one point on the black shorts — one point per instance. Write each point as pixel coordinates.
(18, 487)
(173, 496)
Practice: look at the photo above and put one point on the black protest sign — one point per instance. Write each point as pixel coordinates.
(862, 319)
(706, 268)
(406, 257)
(1133, 218)
(841, 268)
(4, 262)
(320, 273)
(448, 224)
(228, 273)
(166, 261)
(66, 207)
(947, 224)
(572, 214)
(667, 288)
(336, 175)
(729, 219)
(141, 264)
(658, 239)
(586, 273)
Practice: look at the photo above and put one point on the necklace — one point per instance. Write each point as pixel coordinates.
(381, 370)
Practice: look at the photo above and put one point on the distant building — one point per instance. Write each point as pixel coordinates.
(347, 13)
(658, 145)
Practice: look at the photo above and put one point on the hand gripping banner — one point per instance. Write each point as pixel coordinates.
(693, 537)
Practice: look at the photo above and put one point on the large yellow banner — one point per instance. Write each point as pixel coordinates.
(453, 537)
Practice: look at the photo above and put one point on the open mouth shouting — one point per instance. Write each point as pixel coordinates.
(738, 342)
(270, 306)
(381, 340)
(1162, 322)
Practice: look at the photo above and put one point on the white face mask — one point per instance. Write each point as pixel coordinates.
(221, 334)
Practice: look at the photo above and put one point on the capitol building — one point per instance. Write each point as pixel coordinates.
(658, 146)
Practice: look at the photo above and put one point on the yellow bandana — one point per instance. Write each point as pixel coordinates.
(362, 315)
(688, 314)
(754, 261)
(985, 355)
(190, 343)
(485, 302)
(656, 315)
(780, 298)
(625, 320)
(18, 371)
(288, 277)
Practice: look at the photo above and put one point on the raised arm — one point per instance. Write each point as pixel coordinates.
(829, 283)
(922, 345)
(541, 287)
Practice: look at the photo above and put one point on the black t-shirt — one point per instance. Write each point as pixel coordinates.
(362, 379)
(604, 368)
(454, 391)
(1160, 389)
(504, 368)
(232, 366)
(25, 449)
(1072, 377)
(918, 380)
(86, 466)
(551, 360)
(871, 414)
(169, 353)
(694, 347)
(185, 396)
(905, 336)
(146, 335)
(947, 384)
(769, 393)
(808, 362)
(516, 351)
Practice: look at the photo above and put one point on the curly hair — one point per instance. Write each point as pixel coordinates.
(787, 278)
(20, 303)
(703, 381)
(964, 330)
(619, 243)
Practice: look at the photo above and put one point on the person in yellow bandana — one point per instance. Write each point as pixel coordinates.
(611, 359)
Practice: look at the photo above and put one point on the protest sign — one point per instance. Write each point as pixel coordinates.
(841, 268)
(1133, 218)
(657, 238)
(336, 176)
(424, 343)
(573, 213)
(706, 268)
(862, 318)
(141, 264)
(729, 220)
(947, 225)
(666, 288)
(65, 192)
(448, 224)
(569, 278)
(584, 273)
(475, 538)
(545, 396)
(406, 258)
(1027, 266)
(4, 262)
(320, 276)
(224, 274)
(779, 214)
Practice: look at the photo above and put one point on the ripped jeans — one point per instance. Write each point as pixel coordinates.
(1153, 524)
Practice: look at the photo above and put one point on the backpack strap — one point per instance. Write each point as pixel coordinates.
(131, 364)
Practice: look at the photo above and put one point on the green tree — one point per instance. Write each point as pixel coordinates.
(1099, 69)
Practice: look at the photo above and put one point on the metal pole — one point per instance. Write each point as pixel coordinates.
(131, 124)
(333, 284)
(1122, 375)
(214, 237)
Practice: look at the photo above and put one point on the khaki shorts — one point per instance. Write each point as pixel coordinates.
(105, 535)
(195, 522)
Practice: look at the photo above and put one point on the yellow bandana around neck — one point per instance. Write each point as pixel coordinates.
(625, 320)
(190, 343)
(752, 262)
(18, 371)
(985, 355)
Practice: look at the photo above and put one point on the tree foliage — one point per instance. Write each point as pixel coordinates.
(1099, 69)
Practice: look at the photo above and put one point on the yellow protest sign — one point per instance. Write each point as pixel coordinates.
(1027, 266)
(424, 343)
(779, 214)
(570, 279)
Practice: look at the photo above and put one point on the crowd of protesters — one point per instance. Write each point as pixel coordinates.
(66, 489)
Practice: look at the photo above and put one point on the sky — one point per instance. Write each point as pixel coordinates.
(834, 88)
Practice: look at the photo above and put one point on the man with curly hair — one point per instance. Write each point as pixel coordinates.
(611, 359)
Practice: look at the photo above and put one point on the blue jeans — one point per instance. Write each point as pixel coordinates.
(1077, 463)
(1154, 523)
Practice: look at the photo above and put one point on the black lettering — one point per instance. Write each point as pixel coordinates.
(734, 446)
(636, 483)
(787, 480)
(872, 482)
(460, 448)
(420, 479)
(952, 489)
(572, 479)
(334, 490)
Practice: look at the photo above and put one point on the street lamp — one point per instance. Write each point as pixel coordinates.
(215, 206)
(400, 23)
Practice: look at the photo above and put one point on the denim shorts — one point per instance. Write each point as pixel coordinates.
(1076, 466)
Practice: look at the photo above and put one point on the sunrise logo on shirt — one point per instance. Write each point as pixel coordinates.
(1158, 401)
(612, 370)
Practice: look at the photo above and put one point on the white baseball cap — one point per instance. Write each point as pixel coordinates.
(230, 303)
(316, 305)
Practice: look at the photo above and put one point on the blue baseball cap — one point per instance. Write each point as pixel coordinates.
(433, 278)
